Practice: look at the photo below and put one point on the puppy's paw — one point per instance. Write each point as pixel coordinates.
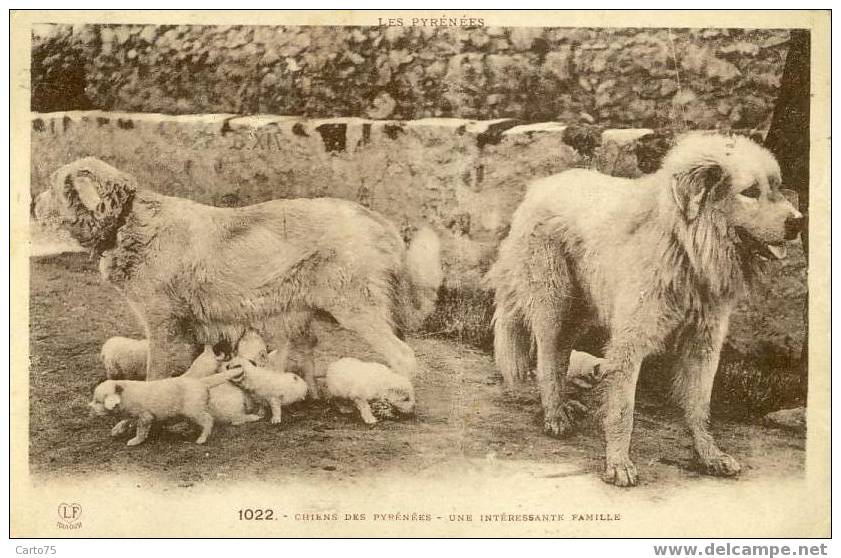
(275, 420)
(120, 428)
(369, 420)
(134, 441)
(620, 472)
(721, 465)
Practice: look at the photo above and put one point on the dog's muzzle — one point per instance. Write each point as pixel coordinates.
(793, 226)
(775, 251)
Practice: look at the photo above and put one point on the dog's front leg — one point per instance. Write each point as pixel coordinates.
(144, 424)
(620, 383)
(695, 371)
(365, 410)
(121, 427)
(166, 354)
(277, 410)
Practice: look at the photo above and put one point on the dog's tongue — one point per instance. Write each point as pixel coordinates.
(777, 250)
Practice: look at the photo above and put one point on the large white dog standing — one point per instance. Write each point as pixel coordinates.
(658, 262)
(211, 273)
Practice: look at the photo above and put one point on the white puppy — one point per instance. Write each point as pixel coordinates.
(267, 386)
(124, 358)
(251, 346)
(228, 403)
(364, 383)
(584, 369)
(157, 400)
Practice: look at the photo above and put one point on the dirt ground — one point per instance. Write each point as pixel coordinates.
(463, 412)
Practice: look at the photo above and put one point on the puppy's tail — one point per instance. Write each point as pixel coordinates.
(233, 375)
(425, 275)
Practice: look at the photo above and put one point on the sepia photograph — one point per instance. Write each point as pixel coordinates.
(420, 274)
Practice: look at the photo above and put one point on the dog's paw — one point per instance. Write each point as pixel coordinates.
(622, 472)
(562, 420)
(134, 442)
(557, 425)
(120, 428)
(721, 465)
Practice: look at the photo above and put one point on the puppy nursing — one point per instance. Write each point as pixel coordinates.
(272, 388)
(148, 402)
(367, 383)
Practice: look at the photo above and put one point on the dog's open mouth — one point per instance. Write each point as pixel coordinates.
(767, 251)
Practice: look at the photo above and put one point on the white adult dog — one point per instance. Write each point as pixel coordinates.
(658, 262)
(210, 274)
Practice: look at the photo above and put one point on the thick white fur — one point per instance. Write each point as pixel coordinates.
(124, 358)
(658, 262)
(268, 386)
(158, 400)
(207, 273)
(363, 382)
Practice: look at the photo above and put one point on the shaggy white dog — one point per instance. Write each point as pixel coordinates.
(202, 274)
(269, 387)
(124, 358)
(658, 263)
(367, 383)
(158, 400)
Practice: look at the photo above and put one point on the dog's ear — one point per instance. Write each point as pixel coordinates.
(95, 194)
(693, 187)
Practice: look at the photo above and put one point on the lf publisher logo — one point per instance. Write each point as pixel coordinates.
(69, 515)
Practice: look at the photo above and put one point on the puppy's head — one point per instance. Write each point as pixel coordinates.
(252, 347)
(208, 362)
(90, 199)
(735, 182)
(107, 397)
(401, 397)
(238, 363)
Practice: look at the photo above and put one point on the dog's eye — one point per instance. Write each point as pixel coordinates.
(753, 192)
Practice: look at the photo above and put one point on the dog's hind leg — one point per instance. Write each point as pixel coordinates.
(554, 338)
(695, 371)
(205, 420)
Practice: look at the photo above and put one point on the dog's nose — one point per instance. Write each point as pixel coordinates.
(793, 226)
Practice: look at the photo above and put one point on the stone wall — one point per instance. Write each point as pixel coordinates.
(464, 177)
(700, 78)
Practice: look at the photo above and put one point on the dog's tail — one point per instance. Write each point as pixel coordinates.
(425, 275)
(234, 374)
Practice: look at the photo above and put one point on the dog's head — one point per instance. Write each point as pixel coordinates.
(207, 363)
(252, 347)
(401, 397)
(241, 365)
(90, 199)
(107, 397)
(736, 183)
